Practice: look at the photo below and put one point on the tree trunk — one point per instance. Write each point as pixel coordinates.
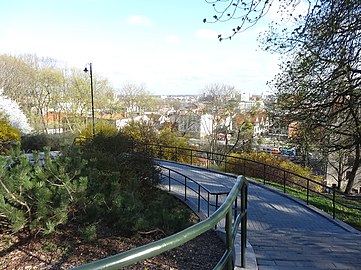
(356, 164)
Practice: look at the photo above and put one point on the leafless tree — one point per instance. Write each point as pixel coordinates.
(321, 83)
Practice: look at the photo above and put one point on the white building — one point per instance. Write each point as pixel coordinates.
(123, 122)
(197, 126)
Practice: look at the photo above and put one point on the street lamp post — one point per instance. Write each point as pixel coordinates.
(92, 93)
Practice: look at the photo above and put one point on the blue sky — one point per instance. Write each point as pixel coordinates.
(162, 44)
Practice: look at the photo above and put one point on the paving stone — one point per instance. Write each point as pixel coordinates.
(266, 262)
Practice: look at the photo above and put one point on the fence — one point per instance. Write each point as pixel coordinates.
(189, 189)
(339, 207)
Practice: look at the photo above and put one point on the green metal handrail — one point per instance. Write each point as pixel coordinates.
(150, 250)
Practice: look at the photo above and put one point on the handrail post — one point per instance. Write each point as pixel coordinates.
(235, 209)
(208, 205)
(284, 181)
(215, 227)
(264, 174)
(191, 157)
(207, 160)
(169, 180)
(333, 201)
(185, 188)
(199, 198)
(244, 194)
(229, 237)
(308, 191)
(216, 201)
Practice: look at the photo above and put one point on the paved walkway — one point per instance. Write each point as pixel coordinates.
(285, 233)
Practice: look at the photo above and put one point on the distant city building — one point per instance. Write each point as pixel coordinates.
(179, 97)
(197, 126)
(249, 102)
(124, 122)
(246, 106)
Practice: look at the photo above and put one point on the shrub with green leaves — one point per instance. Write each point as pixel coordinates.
(101, 127)
(169, 137)
(37, 142)
(89, 233)
(112, 154)
(141, 133)
(38, 196)
(117, 182)
(167, 212)
(96, 182)
(122, 189)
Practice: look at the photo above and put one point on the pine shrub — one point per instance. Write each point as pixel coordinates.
(168, 213)
(38, 196)
(37, 142)
(122, 189)
(95, 182)
(89, 233)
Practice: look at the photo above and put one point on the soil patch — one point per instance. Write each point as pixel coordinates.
(67, 249)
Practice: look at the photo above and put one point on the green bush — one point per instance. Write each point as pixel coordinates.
(112, 154)
(141, 133)
(117, 181)
(97, 181)
(38, 196)
(89, 233)
(121, 188)
(102, 127)
(168, 213)
(113, 144)
(170, 138)
(37, 142)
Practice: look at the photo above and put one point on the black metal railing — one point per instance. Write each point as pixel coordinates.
(266, 173)
(189, 189)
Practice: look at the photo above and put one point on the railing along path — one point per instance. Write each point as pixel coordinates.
(252, 168)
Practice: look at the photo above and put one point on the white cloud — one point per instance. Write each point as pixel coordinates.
(172, 39)
(139, 20)
(206, 33)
